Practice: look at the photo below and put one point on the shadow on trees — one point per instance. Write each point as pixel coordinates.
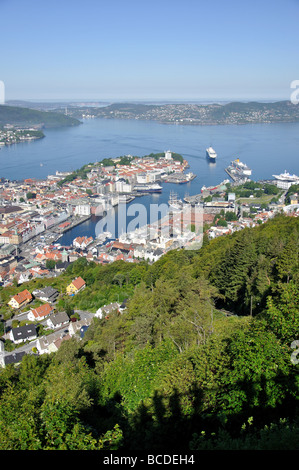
(161, 424)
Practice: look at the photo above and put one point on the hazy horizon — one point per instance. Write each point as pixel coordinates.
(142, 101)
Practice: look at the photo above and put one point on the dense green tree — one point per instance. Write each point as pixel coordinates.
(19, 420)
(50, 264)
(288, 260)
(282, 312)
(254, 378)
(71, 382)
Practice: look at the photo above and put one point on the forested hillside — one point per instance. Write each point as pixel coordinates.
(18, 116)
(200, 359)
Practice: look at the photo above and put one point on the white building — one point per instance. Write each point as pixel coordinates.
(285, 184)
(82, 209)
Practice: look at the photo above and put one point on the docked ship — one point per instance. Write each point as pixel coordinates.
(240, 168)
(209, 188)
(287, 177)
(211, 154)
(286, 180)
(148, 188)
(174, 203)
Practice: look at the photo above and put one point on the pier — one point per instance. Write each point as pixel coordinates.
(236, 179)
(231, 175)
(180, 178)
(196, 199)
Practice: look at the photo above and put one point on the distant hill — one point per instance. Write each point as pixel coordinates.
(196, 114)
(52, 115)
(19, 116)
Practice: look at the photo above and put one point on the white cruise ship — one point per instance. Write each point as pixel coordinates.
(286, 180)
(287, 177)
(240, 167)
(211, 154)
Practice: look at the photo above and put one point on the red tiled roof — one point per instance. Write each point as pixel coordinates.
(78, 282)
(42, 311)
(22, 296)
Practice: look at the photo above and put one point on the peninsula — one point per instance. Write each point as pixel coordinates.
(25, 117)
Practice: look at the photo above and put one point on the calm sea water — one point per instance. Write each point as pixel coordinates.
(267, 148)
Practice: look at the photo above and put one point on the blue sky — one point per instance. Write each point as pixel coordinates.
(149, 50)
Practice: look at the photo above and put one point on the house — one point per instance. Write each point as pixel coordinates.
(21, 299)
(58, 320)
(24, 277)
(46, 294)
(139, 251)
(46, 344)
(107, 310)
(73, 256)
(40, 313)
(55, 345)
(123, 306)
(11, 358)
(78, 325)
(23, 333)
(77, 285)
(152, 255)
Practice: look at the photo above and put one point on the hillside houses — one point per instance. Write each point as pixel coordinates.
(148, 253)
(52, 342)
